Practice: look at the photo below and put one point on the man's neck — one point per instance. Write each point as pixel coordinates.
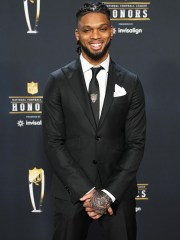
(95, 62)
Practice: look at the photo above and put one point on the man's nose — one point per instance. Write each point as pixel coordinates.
(95, 34)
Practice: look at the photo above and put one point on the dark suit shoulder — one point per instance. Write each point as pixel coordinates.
(58, 77)
(127, 79)
(59, 73)
(125, 72)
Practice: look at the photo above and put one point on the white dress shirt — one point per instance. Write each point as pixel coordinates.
(102, 81)
(101, 77)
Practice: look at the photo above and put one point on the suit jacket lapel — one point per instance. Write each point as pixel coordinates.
(113, 74)
(77, 83)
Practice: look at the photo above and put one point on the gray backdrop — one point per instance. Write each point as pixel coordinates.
(153, 55)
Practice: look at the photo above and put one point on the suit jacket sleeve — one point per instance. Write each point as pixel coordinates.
(66, 169)
(125, 172)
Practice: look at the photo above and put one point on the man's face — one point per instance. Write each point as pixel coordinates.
(94, 35)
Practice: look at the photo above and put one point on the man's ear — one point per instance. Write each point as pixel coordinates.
(111, 31)
(77, 34)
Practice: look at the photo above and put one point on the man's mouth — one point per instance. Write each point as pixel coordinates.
(96, 46)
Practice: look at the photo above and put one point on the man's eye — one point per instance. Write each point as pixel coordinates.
(103, 29)
(86, 30)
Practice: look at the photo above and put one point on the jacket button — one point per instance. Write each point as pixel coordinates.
(94, 162)
(98, 138)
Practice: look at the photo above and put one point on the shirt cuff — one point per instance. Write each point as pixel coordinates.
(90, 190)
(109, 194)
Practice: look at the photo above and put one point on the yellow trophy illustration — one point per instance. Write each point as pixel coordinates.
(36, 176)
(28, 21)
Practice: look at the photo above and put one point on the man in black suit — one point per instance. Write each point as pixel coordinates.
(94, 132)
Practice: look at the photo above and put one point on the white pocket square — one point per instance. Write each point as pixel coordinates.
(119, 91)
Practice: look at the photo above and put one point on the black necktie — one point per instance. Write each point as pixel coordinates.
(94, 93)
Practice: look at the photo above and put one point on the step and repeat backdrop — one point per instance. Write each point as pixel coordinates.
(36, 38)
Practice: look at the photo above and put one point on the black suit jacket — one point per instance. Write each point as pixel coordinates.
(82, 154)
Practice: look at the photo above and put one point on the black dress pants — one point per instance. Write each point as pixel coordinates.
(72, 222)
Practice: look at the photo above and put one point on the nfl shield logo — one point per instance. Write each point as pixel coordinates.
(32, 88)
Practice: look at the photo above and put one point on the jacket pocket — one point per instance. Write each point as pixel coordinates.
(122, 99)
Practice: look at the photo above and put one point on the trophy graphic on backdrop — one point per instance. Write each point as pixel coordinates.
(28, 21)
(36, 176)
